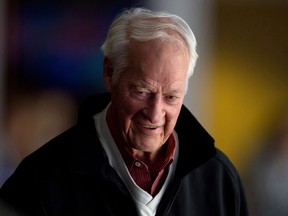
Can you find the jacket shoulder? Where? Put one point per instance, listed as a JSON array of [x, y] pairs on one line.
[[226, 163]]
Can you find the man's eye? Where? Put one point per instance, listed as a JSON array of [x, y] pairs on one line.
[[171, 97], [141, 93]]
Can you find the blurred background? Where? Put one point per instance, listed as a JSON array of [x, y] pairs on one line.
[[50, 61]]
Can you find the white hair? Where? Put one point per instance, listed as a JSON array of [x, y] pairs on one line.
[[144, 25]]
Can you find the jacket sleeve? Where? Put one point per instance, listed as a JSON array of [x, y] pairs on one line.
[[17, 195], [241, 208]]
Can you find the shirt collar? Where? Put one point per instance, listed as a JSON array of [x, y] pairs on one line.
[[168, 157]]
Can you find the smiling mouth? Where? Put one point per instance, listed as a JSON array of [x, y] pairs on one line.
[[150, 129], [150, 126]]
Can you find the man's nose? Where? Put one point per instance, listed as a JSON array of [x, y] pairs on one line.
[[155, 109]]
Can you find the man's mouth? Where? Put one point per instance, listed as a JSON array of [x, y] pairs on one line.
[[150, 126]]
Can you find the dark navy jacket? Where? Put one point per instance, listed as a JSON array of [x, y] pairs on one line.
[[70, 175]]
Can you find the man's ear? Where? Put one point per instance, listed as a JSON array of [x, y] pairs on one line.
[[107, 73]]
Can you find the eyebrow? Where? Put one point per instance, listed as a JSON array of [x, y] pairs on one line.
[[153, 90], [144, 86]]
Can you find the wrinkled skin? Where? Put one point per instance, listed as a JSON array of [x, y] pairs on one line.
[[147, 98]]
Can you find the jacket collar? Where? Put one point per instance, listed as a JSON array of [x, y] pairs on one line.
[[196, 146]]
